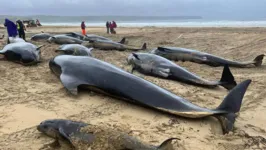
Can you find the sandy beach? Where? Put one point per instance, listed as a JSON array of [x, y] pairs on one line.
[[29, 95]]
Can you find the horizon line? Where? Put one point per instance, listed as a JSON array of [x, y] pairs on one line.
[[104, 15]]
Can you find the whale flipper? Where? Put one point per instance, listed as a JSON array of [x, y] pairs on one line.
[[162, 72], [70, 83]]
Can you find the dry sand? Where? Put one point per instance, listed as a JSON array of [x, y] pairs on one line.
[[29, 95]]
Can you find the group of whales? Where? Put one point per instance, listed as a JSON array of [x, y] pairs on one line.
[[77, 68], [89, 40]]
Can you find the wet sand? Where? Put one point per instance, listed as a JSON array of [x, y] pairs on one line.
[[29, 95]]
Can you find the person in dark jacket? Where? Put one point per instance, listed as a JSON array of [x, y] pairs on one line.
[[11, 29], [107, 26], [83, 28], [21, 28]]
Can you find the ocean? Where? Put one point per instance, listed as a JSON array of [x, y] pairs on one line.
[[137, 21]]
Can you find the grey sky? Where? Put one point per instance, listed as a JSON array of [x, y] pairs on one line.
[[242, 9]]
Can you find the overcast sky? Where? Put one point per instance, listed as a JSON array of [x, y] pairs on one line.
[[225, 9]]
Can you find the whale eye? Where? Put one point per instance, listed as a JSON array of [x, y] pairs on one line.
[[204, 58]]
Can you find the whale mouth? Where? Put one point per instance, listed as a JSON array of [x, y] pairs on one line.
[[130, 59], [49, 129], [55, 68]]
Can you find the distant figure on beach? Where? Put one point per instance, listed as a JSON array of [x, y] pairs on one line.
[[83, 28], [38, 22], [21, 29], [107, 26], [112, 27], [11, 29]]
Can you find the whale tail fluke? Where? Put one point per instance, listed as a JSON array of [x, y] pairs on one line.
[[227, 79], [231, 105], [258, 60], [167, 144]]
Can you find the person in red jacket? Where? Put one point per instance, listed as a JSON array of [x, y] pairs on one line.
[[83, 28], [112, 27], [114, 23]]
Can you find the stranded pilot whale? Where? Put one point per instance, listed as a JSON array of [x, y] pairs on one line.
[[184, 54], [74, 49], [110, 45], [41, 37], [96, 75], [22, 52], [92, 37], [80, 135], [64, 39], [155, 65]]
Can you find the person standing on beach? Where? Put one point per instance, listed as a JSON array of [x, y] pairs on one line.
[[83, 28], [38, 22], [21, 29], [107, 26], [11, 29], [112, 26]]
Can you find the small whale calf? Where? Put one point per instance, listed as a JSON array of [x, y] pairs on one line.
[[91, 37], [74, 49], [41, 37], [64, 39], [110, 45], [84, 136]]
